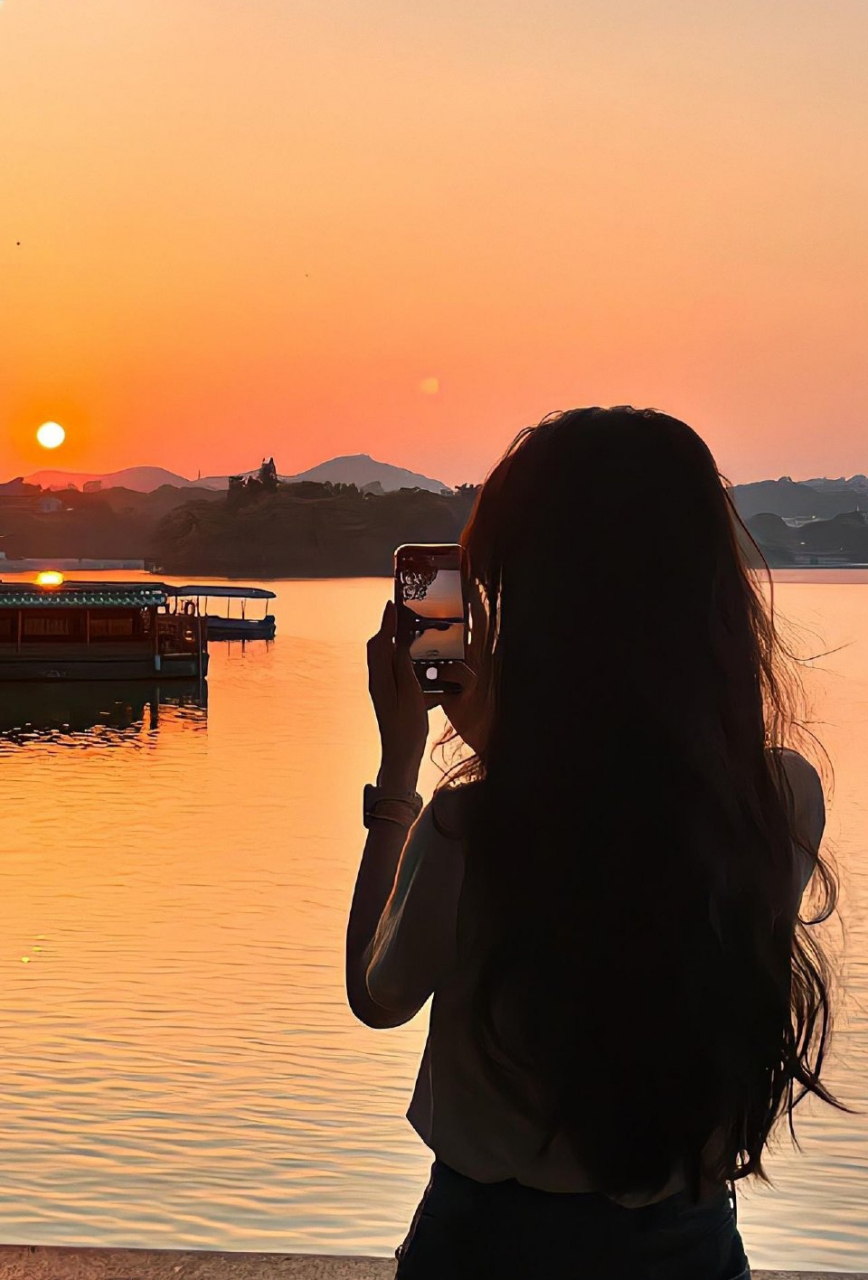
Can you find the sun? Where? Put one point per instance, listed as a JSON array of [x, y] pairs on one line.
[[50, 435]]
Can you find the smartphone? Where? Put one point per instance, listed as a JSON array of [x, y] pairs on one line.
[[432, 611]]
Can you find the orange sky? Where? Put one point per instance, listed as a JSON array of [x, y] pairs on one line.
[[253, 226]]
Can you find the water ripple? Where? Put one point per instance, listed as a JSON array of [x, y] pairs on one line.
[[179, 1064]]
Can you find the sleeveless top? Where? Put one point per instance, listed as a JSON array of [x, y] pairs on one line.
[[455, 1110]]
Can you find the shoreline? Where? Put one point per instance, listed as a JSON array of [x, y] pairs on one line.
[[37, 1262]]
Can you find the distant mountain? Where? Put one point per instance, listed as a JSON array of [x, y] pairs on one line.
[[360, 469], [140, 479], [818, 500], [840, 541], [857, 482], [357, 468]]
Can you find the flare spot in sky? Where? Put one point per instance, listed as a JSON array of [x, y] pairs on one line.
[[429, 386], [50, 435]]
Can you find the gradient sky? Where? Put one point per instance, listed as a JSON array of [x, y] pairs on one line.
[[409, 227]]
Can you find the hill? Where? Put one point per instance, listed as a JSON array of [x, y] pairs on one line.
[[113, 523], [840, 541], [858, 482], [359, 469], [792, 499], [305, 531], [309, 529], [139, 479]]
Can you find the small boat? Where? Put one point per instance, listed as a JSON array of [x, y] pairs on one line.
[[56, 630], [225, 626]]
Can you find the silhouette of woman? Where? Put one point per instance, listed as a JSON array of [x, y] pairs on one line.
[[604, 897]]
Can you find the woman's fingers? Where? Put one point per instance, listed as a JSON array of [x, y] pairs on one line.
[[398, 701], [460, 674], [405, 676], [380, 651]]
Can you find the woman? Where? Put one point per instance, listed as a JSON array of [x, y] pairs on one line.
[[604, 899]]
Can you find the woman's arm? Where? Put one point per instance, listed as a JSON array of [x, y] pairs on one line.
[[402, 718], [416, 944], [374, 884], [393, 968]]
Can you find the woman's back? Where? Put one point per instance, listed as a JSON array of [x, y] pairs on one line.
[[477, 1128]]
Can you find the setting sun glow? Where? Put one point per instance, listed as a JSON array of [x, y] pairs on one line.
[[50, 435], [441, 197], [49, 578]]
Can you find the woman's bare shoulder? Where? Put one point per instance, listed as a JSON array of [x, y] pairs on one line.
[[802, 777], [806, 795], [449, 810]]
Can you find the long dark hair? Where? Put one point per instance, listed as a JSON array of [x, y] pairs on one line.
[[643, 983]]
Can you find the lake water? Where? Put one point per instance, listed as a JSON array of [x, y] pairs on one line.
[[179, 1067]]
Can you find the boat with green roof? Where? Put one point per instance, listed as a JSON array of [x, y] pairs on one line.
[[51, 629]]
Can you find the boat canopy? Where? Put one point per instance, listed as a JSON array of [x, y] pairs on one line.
[[82, 595], [224, 593]]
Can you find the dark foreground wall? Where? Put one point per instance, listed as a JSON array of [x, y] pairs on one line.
[[19, 1262]]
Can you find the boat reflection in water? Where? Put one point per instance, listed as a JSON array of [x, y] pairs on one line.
[[78, 713]]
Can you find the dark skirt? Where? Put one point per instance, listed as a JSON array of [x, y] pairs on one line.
[[467, 1230]]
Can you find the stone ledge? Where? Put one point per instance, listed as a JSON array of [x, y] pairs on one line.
[[35, 1262]]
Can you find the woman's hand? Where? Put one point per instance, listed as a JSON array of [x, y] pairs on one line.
[[400, 706], [467, 711]]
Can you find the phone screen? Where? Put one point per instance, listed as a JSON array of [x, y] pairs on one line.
[[432, 618]]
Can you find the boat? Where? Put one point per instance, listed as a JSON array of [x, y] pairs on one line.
[[56, 630], [225, 626]]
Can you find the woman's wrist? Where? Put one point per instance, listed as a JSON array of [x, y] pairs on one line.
[[400, 778]]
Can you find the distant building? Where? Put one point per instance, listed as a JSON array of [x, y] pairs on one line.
[[268, 474], [91, 486], [18, 490], [49, 504], [19, 499]]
